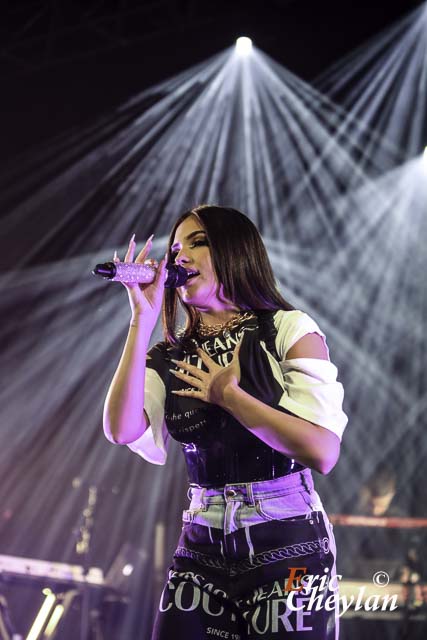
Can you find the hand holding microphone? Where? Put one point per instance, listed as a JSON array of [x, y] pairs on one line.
[[144, 280], [136, 273]]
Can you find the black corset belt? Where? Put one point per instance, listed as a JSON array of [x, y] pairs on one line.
[[218, 465]]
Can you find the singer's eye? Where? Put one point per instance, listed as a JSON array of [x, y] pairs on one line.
[[203, 242]]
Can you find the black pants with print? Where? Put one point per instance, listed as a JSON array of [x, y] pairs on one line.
[[268, 579]]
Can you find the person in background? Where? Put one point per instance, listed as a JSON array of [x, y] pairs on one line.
[[378, 496], [367, 549]]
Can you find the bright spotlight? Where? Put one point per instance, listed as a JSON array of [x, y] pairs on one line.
[[243, 46], [127, 570]]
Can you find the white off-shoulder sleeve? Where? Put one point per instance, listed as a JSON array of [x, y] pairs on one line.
[[310, 387], [153, 444], [312, 392]]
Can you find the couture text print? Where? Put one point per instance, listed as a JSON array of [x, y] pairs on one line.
[[188, 592]]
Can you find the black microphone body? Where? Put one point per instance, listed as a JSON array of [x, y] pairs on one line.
[[139, 273]]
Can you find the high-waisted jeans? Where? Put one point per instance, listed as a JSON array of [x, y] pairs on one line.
[[254, 560]]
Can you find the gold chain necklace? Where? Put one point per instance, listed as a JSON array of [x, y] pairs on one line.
[[206, 330]]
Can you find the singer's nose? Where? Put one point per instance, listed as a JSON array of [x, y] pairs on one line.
[[181, 258]]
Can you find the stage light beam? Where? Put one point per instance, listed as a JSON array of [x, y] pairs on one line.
[[243, 46]]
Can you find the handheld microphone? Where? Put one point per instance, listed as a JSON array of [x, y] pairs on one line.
[[139, 273]]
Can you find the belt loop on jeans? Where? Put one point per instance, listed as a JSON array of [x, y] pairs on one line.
[[305, 483], [250, 494], [202, 495]]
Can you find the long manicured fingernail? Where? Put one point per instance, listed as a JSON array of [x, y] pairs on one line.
[[133, 238], [115, 255], [150, 238]]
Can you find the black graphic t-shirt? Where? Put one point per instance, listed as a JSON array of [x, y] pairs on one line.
[[217, 447]]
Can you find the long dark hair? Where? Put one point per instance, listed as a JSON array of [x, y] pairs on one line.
[[241, 265]]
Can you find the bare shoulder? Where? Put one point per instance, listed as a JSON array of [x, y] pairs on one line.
[[311, 345]]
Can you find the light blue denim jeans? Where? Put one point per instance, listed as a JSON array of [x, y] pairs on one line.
[[240, 505]]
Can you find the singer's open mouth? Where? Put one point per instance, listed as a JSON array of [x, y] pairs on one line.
[[192, 274]]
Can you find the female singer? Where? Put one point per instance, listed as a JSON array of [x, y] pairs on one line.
[[247, 388]]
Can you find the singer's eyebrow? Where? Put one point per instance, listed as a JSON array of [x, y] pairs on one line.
[[189, 237]]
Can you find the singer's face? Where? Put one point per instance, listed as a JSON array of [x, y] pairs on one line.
[[190, 249]]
